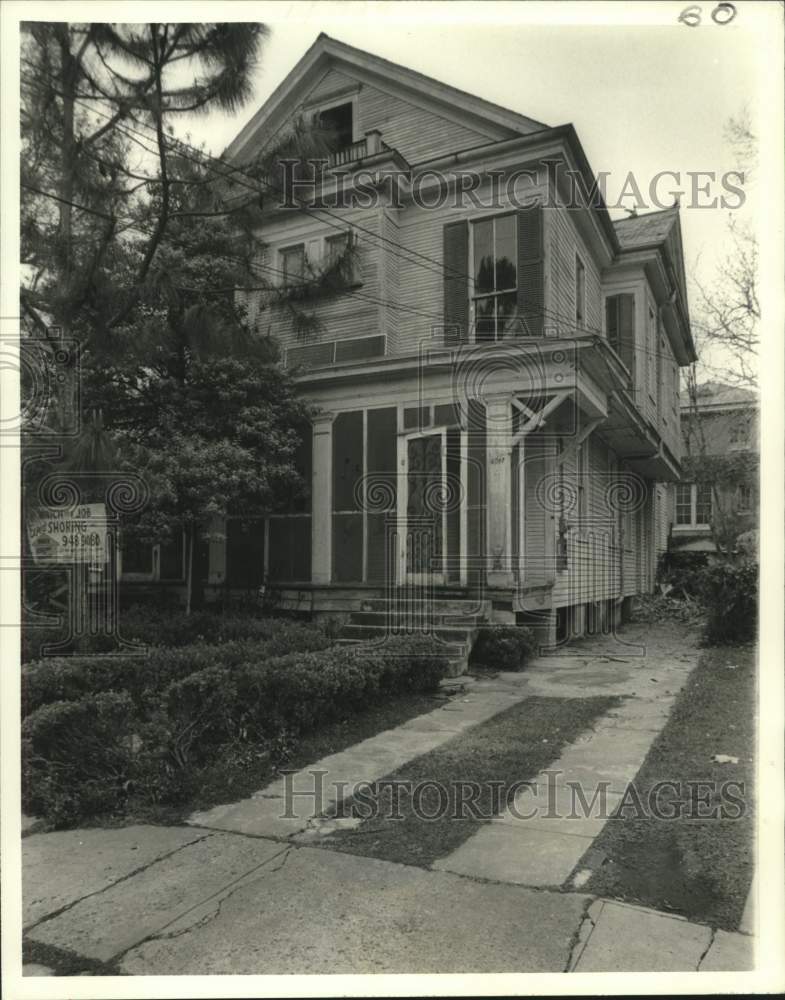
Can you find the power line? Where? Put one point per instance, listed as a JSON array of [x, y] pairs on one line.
[[438, 268]]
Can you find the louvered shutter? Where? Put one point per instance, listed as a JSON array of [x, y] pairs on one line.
[[531, 270], [620, 326], [456, 282]]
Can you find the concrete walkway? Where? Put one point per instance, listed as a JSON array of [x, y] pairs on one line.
[[242, 890], [315, 791], [540, 839]]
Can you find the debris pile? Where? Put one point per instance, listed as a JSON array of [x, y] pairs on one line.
[[659, 608]]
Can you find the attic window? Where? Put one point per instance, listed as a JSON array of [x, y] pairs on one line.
[[338, 120]]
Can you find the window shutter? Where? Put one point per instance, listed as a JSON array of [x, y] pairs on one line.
[[627, 332], [531, 270], [456, 282], [620, 326]]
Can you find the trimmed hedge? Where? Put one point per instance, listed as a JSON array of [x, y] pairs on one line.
[[153, 724], [172, 628], [73, 677], [503, 647]]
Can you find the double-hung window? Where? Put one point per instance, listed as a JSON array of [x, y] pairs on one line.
[[693, 505], [293, 265], [494, 276]]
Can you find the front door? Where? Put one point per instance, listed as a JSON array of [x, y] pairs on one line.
[[426, 474]]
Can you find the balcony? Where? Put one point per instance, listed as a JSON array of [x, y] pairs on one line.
[[371, 145]]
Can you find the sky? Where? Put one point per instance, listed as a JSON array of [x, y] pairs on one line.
[[644, 97]]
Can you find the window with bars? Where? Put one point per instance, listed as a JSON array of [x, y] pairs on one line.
[[495, 276]]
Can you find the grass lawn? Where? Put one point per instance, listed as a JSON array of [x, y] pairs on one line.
[[511, 747], [700, 868]]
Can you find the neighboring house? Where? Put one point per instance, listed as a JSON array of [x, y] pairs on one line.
[[497, 376], [718, 497]]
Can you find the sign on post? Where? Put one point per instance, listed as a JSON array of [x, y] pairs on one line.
[[68, 535]]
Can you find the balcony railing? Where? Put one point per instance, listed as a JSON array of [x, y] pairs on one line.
[[369, 146]]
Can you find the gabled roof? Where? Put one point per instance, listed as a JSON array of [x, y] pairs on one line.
[[649, 230], [327, 53]]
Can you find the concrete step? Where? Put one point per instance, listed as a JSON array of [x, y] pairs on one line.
[[457, 654], [412, 620], [365, 632], [427, 608]]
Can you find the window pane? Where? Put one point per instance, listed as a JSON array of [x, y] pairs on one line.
[[336, 247], [506, 306], [505, 253], [484, 318], [703, 504], [684, 503], [483, 256], [293, 264]]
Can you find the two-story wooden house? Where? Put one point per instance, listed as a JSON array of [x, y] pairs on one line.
[[496, 384]]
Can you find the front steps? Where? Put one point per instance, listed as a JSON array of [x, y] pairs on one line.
[[452, 621]]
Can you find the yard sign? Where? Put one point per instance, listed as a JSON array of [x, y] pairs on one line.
[[68, 535]]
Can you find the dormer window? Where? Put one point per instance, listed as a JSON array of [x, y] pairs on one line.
[[339, 121]]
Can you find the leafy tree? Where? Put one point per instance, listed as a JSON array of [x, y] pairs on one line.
[[134, 245]]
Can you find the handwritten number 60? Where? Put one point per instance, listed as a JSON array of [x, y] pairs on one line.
[[723, 13]]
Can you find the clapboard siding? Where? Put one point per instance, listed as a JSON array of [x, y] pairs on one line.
[[390, 263], [592, 572], [355, 313], [331, 83], [416, 133], [563, 243], [421, 273]]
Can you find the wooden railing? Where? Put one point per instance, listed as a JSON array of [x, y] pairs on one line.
[[369, 146]]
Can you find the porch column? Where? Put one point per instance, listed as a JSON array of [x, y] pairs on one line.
[[321, 499], [498, 415]]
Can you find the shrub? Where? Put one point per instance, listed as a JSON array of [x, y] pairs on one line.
[[76, 757], [167, 627], [503, 647], [70, 678], [683, 571], [154, 723], [730, 593]]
